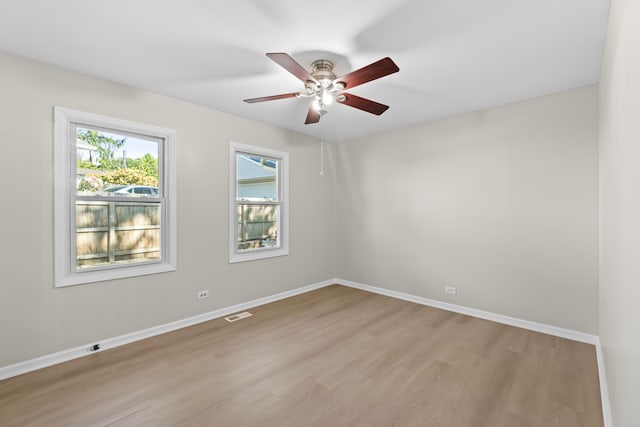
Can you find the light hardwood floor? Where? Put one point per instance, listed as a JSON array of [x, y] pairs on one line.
[[332, 357]]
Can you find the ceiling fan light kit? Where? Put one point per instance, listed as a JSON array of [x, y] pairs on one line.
[[324, 87]]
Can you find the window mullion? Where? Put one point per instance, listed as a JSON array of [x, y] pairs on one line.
[[112, 233], [257, 203]]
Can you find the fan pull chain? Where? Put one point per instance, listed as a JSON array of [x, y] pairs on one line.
[[321, 158]]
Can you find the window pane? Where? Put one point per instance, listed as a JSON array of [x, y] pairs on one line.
[[111, 164], [258, 213], [116, 232], [256, 178], [257, 226]]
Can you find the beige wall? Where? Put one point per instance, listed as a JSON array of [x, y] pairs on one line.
[[36, 319], [501, 204], [620, 211]]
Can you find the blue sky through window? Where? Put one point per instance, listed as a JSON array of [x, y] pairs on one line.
[[134, 147]]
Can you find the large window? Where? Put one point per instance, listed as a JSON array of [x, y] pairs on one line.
[[258, 217], [114, 198]]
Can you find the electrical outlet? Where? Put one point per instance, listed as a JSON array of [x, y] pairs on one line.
[[450, 290], [203, 294]]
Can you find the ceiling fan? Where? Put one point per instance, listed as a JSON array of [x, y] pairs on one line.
[[324, 87]]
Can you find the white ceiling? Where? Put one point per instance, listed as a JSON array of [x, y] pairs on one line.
[[454, 56]]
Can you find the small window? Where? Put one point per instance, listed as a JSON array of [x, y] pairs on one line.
[[258, 206], [114, 198]]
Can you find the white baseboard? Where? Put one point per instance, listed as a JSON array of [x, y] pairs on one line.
[[74, 353], [512, 321], [604, 387], [105, 344], [507, 320]]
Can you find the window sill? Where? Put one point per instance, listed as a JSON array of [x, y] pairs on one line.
[[85, 277], [251, 256]]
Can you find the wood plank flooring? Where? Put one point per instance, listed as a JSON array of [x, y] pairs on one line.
[[333, 357]]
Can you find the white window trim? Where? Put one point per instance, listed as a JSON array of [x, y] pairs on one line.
[[64, 237], [283, 182]]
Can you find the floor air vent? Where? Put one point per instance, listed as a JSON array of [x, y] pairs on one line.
[[238, 316]]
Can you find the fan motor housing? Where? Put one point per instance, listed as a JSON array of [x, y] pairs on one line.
[[322, 69]]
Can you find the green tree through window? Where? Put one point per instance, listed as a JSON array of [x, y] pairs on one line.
[[106, 147]]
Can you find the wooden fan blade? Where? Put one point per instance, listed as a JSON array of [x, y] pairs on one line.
[[271, 98], [363, 104], [373, 71], [312, 116], [290, 64]]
